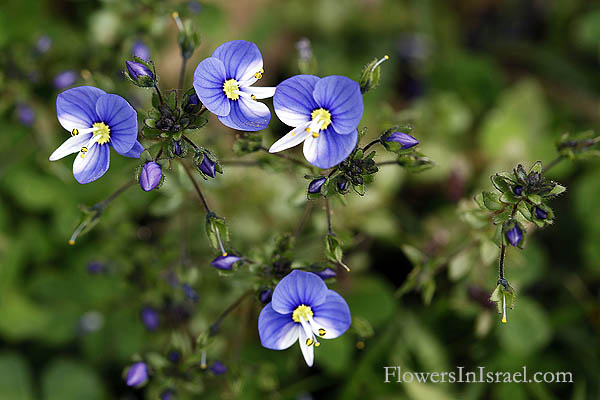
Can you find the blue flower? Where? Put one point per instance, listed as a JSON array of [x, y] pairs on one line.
[[303, 309], [137, 374], [65, 79], [97, 121], [25, 114], [315, 185], [140, 73], [324, 112], [150, 318], [540, 214], [225, 261], [139, 49], [224, 81], [218, 368]]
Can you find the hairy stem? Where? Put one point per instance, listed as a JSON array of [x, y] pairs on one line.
[[214, 328], [328, 208], [160, 97], [189, 174], [285, 156], [182, 74], [552, 163], [116, 194], [303, 219], [374, 142]]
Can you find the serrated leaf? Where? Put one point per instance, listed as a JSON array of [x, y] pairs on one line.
[[490, 200]]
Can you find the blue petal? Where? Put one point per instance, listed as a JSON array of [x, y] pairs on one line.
[[76, 108], [329, 148], [209, 78], [298, 288], [136, 150], [93, 164], [242, 59], [276, 331], [121, 118], [333, 315], [342, 98], [293, 100], [247, 115]]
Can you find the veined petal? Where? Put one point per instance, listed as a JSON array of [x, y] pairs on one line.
[[136, 150], [242, 59], [276, 331], [247, 115], [297, 288], [209, 78], [342, 98], [293, 138], [333, 315], [70, 146], [307, 351], [259, 92], [92, 164], [121, 119], [329, 148], [76, 107], [293, 99]]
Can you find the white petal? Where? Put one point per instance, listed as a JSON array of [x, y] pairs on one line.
[[259, 92], [307, 351], [71, 145], [293, 138]]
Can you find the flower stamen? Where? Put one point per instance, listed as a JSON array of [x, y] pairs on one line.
[[75, 132], [302, 312], [102, 132], [259, 73], [231, 89]]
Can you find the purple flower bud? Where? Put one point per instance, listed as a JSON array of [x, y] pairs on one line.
[[518, 190], [137, 70], [150, 176], [193, 100], [174, 356], [225, 261], [139, 49], [404, 139], [190, 293], [514, 236], [207, 166], [218, 368], [137, 374], [43, 44], [315, 185], [265, 296], [150, 318], [25, 114], [65, 79], [540, 214], [176, 148], [342, 184], [167, 394], [327, 273]]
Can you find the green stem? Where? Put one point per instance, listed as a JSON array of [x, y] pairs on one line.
[[189, 174], [214, 328]]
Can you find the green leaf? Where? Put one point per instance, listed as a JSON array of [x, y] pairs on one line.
[[535, 199], [556, 190], [490, 200], [15, 378]]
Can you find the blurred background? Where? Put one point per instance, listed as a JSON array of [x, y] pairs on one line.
[[487, 84]]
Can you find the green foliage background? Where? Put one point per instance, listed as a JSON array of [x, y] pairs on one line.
[[487, 84]]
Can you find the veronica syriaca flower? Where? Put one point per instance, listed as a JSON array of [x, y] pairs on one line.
[[315, 185], [303, 309], [225, 261], [150, 318], [65, 79], [97, 121], [224, 82], [137, 374], [324, 112]]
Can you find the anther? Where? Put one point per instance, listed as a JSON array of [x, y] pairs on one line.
[[75, 132], [253, 97], [315, 135], [317, 344], [322, 332], [309, 342]]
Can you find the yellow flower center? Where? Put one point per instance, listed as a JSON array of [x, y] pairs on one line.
[[302, 312], [321, 114], [231, 88], [103, 131]]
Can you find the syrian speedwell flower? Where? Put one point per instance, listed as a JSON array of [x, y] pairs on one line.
[[324, 112], [303, 309], [224, 82], [97, 121]]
